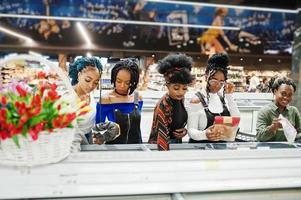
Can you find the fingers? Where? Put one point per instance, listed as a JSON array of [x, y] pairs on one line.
[[229, 88], [180, 134], [216, 135]]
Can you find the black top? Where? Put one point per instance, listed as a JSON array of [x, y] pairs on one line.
[[179, 116], [129, 125], [210, 116]]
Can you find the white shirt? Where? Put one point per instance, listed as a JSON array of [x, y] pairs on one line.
[[85, 125], [254, 81], [197, 119]]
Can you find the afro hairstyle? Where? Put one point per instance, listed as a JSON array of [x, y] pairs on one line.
[[176, 68]]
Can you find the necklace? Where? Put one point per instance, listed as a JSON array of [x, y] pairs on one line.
[[120, 93]]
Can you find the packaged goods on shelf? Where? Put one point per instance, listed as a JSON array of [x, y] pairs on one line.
[[236, 76]]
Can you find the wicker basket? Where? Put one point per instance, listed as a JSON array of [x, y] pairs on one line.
[[48, 148]]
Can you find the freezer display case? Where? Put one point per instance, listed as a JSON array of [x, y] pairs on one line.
[[188, 171]]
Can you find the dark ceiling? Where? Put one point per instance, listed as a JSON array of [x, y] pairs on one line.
[[281, 4]]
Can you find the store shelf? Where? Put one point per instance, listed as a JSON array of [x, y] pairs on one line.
[[236, 76]]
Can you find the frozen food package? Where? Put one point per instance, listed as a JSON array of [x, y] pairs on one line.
[[228, 126], [289, 130]]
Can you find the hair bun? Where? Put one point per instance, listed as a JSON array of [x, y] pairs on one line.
[[219, 60]]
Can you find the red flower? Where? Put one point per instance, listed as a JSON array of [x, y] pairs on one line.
[[3, 134], [52, 95], [21, 91], [32, 111], [41, 75], [4, 100], [3, 115]]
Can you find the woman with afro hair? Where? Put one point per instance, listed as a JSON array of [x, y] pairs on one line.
[[170, 115], [123, 105], [215, 100]]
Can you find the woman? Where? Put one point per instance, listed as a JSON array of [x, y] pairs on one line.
[[123, 105], [215, 100], [268, 125], [168, 125], [85, 74], [209, 40]]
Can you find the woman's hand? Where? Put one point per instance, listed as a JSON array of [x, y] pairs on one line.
[[229, 88], [274, 126], [180, 133], [215, 134], [233, 47]]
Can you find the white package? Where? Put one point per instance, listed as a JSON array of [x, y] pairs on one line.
[[289, 130]]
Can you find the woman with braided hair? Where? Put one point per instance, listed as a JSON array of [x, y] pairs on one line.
[[215, 100], [123, 105], [170, 115]]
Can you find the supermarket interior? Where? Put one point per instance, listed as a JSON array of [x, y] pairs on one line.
[[64, 66]]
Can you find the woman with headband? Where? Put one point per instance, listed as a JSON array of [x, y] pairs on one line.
[[168, 125], [123, 105], [215, 100]]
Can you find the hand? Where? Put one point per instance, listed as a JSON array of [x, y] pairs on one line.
[[229, 88], [233, 47], [97, 140], [214, 134], [274, 126], [180, 133]]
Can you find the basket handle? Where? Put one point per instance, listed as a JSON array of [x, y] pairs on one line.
[[58, 70]]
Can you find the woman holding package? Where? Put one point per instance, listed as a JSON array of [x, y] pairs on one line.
[[85, 74], [123, 105], [269, 127], [215, 100], [170, 115]]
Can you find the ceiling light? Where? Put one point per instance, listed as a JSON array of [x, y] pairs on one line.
[[225, 6], [89, 54], [84, 34], [118, 21], [12, 33], [34, 53]]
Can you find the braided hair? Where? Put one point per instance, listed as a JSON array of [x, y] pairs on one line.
[[132, 68], [80, 64], [283, 80], [217, 62], [176, 68]]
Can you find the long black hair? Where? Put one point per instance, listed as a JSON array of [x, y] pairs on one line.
[[217, 62], [176, 68], [80, 64], [131, 67]]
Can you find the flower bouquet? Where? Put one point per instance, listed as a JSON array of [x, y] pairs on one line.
[[37, 119]]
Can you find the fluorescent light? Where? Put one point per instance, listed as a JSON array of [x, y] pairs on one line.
[[35, 53], [12, 33], [84, 34], [81, 19], [89, 54], [225, 6]]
